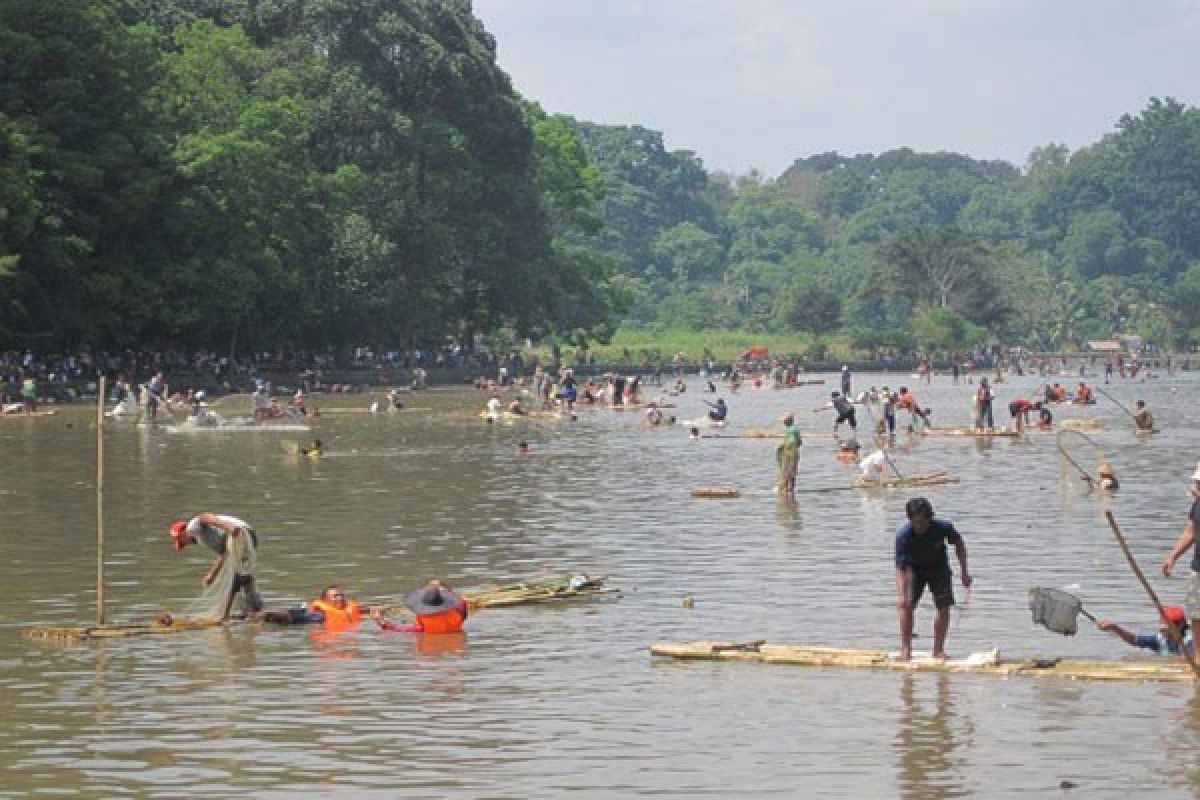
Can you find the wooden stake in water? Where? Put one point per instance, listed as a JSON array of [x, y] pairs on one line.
[[100, 502]]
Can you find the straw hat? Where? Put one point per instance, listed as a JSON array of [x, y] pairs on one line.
[[1105, 469], [431, 599]]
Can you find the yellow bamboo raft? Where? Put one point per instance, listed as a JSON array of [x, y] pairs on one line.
[[569, 587], [716, 492], [988, 663], [969, 432], [1081, 424], [28, 414], [900, 482], [119, 631]]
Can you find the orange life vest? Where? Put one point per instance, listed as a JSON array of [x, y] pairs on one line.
[[338, 619], [450, 621]]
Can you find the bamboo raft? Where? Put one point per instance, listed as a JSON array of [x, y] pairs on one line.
[[904, 481], [987, 663], [1084, 424], [569, 587], [716, 492], [27, 414], [969, 432], [320, 412], [119, 631]]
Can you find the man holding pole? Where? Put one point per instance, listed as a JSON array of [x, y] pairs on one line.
[[1188, 539]]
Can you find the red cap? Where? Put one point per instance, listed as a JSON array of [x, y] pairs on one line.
[[179, 534], [1174, 614]]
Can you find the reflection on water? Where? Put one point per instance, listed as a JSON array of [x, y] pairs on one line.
[[545, 701], [929, 734]]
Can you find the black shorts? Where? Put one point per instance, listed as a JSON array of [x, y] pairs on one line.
[[940, 581], [847, 416]]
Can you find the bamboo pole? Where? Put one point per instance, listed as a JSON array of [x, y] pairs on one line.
[[1162, 614], [100, 502]]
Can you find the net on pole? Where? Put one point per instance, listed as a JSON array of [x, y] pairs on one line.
[[1055, 609]]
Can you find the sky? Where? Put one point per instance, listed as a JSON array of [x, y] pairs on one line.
[[759, 83]]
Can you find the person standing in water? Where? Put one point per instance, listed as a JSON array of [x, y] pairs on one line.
[[922, 560], [787, 456], [1143, 420], [846, 381]]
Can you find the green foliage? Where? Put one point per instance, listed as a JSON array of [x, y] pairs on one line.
[[943, 329], [247, 173], [806, 305]]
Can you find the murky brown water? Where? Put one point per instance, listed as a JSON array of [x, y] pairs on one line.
[[541, 701]]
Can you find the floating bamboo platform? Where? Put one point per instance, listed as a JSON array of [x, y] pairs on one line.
[[569, 587], [988, 663], [716, 492], [320, 412], [119, 631], [1081, 424], [28, 414], [971, 432], [900, 482]]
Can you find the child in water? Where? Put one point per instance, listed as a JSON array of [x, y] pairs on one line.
[[312, 452]]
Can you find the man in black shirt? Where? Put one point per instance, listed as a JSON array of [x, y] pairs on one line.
[[921, 560]]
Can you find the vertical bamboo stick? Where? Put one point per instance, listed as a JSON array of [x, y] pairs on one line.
[[100, 502]]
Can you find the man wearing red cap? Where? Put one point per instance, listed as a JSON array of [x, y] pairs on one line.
[[236, 545], [1160, 642]]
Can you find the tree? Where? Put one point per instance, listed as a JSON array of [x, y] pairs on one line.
[[941, 267], [687, 251], [805, 305]]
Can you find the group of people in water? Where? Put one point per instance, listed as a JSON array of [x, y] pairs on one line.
[[437, 608]]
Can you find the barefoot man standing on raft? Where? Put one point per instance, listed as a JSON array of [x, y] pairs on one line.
[[236, 545], [921, 560]]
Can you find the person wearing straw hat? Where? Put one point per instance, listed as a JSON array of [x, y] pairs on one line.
[[437, 607], [1187, 539], [1107, 476], [236, 544], [921, 560]]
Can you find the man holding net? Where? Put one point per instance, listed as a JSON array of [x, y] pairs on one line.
[[236, 545], [922, 560]]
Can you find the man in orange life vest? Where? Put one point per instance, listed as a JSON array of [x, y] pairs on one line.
[[438, 610], [333, 610]]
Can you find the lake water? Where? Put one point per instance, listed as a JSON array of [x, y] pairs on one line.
[[545, 701]]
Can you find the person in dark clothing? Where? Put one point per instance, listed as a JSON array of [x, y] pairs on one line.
[[719, 411], [845, 411], [922, 560]]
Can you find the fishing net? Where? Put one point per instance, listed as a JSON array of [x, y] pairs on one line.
[[1056, 610], [1082, 453], [241, 558]]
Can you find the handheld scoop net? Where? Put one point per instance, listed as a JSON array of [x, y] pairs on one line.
[[1057, 610]]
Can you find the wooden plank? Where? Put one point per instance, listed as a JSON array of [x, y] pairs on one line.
[[982, 664]]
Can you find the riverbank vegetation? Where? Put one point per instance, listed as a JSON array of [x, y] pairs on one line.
[[243, 175]]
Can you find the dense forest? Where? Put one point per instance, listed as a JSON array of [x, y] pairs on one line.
[[242, 174]]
